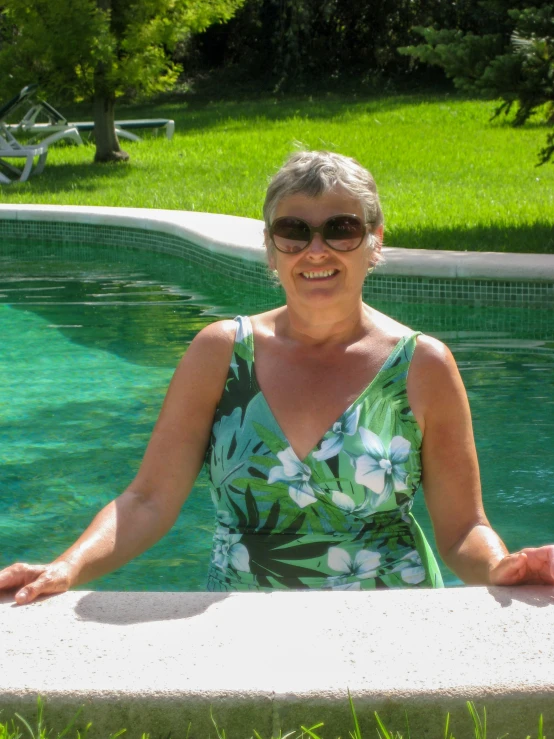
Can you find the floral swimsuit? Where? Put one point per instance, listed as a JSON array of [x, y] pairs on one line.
[[338, 520]]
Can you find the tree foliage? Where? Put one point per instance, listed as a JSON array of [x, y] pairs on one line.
[[79, 49], [515, 63], [59, 43]]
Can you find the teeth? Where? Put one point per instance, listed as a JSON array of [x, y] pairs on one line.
[[315, 275]]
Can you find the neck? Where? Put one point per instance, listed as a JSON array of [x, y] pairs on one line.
[[325, 327]]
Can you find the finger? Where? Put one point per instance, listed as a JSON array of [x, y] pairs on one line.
[[541, 563], [9, 578], [26, 595], [511, 570], [30, 592], [18, 574], [46, 584]]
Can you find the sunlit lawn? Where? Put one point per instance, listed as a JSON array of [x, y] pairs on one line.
[[448, 177]]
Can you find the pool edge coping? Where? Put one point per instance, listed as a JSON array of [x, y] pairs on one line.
[[242, 238], [154, 658]]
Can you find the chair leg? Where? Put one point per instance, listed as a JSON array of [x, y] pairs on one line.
[[41, 162], [26, 171], [123, 134]]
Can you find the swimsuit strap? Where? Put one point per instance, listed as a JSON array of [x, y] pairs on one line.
[[395, 370], [407, 347], [402, 353], [244, 334]]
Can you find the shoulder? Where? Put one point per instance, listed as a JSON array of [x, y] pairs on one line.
[[435, 387], [216, 339], [206, 361], [433, 365], [432, 355]]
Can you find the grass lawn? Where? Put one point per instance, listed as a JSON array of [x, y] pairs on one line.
[[448, 177], [11, 729]]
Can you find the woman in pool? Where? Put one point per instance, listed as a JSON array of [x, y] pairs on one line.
[[317, 421]]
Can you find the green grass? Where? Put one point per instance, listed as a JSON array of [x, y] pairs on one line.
[[20, 728], [448, 177]]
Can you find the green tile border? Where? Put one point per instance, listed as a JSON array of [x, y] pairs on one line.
[[391, 288]]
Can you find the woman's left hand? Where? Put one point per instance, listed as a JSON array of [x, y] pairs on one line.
[[531, 566]]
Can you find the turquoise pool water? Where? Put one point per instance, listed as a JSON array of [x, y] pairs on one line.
[[89, 341]]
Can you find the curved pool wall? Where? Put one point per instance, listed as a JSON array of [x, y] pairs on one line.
[[234, 246], [153, 662]]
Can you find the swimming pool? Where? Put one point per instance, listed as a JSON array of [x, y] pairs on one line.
[[90, 340]]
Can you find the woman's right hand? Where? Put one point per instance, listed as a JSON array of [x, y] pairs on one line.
[[30, 581]]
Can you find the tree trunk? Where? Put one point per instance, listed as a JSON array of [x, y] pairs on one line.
[[107, 143]]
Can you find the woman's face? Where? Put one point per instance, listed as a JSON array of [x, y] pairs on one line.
[[318, 274]]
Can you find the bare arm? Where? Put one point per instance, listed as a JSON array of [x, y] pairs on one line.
[[466, 542], [150, 505]]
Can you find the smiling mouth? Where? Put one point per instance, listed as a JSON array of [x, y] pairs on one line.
[[322, 274]]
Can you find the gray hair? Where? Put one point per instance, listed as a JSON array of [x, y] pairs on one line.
[[315, 173]]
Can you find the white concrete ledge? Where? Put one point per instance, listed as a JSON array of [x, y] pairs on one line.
[[155, 661], [468, 265], [243, 238]]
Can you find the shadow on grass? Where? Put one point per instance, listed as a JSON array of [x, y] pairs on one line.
[[537, 238], [85, 176], [193, 113]]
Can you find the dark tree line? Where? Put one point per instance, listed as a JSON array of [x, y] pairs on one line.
[[495, 48], [291, 43]]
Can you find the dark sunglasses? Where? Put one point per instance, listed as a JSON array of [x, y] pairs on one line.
[[344, 232]]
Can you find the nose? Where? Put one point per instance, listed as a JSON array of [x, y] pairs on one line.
[[317, 247]]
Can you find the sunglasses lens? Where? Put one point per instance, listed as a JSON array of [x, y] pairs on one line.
[[290, 234], [344, 233]]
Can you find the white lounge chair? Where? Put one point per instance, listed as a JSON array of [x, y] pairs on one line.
[[7, 130], [11, 148], [9, 172], [56, 123]]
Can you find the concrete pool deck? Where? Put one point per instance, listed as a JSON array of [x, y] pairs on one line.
[[154, 662], [243, 238]]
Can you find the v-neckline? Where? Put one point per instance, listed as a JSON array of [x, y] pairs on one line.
[[352, 405]]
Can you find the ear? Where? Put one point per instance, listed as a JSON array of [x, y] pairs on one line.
[[377, 246]]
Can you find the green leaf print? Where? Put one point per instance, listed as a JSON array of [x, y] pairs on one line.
[[244, 351], [263, 461], [262, 487], [252, 510], [248, 520], [238, 388], [273, 442], [237, 449]]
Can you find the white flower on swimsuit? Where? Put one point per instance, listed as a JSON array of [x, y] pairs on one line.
[[297, 474], [382, 470], [347, 425]]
